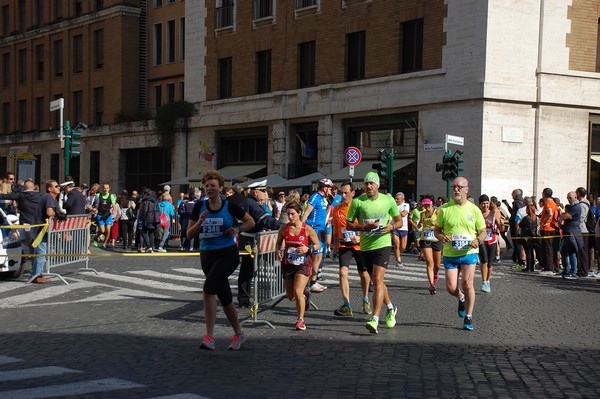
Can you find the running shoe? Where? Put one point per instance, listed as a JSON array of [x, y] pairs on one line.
[[468, 324], [149, 250], [367, 307], [372, 326], [300, 325], [390, 317], [435, 278], [208, 343], [237, 341], [306, 300], [160, 249], [432, 289], [462, 311], [317, 288], [485, 287], [399, 265], [343, 311]]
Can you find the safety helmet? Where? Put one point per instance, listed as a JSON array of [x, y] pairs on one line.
[[325, 183]]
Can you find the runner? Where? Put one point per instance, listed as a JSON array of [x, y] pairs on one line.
[[300, 242], [461, 227], [346, 245], [493, 224], [429, 244], [370, 214], [400, 236]]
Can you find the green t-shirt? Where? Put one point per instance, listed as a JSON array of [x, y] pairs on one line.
[[415, 215], [461, 223], [368, 210]]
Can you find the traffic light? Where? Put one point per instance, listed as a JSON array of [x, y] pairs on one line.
[[74, 143], [382, 167], [448, 172], [457, 167]]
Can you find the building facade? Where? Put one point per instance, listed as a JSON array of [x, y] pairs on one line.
[[285, 86]]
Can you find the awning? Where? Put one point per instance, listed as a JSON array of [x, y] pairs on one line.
[[234, 172], [304, 180], [595, 158], [184, 180], [272, 181], [364, 167]]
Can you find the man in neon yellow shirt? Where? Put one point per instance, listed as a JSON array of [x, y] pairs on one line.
[[461, 227], [370, 214]]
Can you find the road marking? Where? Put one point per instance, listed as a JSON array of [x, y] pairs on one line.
[[189, 270], [148, 283], [168, 276], [76, 388], [182, 396], [34, 372], [11, 285], [9, 360], [43, 293]]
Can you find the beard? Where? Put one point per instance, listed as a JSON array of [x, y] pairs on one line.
[[457, 196]]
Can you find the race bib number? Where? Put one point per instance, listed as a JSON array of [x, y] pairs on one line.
[[348, 234], [376, 231], [212, 227], [295, 258], [428, 234], [461, 241], [488, 233]]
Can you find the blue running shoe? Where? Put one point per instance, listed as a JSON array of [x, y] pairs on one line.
[[468, 324], [462, 312]]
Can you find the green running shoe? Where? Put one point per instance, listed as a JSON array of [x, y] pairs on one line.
[[390, 317], [372, 326]]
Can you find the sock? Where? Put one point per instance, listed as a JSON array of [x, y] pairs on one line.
[[390, 306], [376, 318], [469, 316], [462, 298], [347, 303], [366, 299]]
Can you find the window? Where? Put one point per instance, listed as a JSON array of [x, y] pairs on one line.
[[225, 77], [6, 70], [182, 39], [305, 3], [21, 15], [58, 58], [77, 107], [22, 116], [98, 105], [40, 108], [171, 92], [306, 64], [263, 71], [157, 97], [224, 13], [39, 62], [158, 44], [355, 56], [58, 10], [99, 5], [5, 118], [157, 3], [5, 19], [98, 48], [263, 9], [77, 53], [22, 65], [412, 46], [39, 12], [171, 41], [244, 146], [181, 91], [78, 8]]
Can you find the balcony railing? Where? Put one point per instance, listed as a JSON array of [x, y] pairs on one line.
[[263, 9], [305, 3]]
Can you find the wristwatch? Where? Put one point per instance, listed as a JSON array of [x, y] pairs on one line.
[[479, 241]]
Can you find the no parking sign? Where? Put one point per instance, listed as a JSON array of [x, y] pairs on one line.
[[352, 157]]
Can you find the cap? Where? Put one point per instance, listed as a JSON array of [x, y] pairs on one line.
[[67, 183], [258, 185], [484, 198], [167, 188], [372, 177], [427, 201], [325, 183], [413, 203], [281, 193]]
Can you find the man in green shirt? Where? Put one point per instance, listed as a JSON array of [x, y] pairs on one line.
[[370, 214], [460, 226]]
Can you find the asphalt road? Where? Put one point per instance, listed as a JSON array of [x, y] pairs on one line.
[[133, 332]]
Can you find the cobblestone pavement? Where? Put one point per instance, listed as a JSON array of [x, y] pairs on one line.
[[133, 332]]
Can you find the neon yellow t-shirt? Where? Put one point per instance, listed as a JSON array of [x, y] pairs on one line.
[[366, 210], [461, 224]]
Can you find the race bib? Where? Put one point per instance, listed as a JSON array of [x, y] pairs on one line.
[[348, 234], [461, 241], [295, 258], [488, 233], [376, 231], [212, 227], [428, 234]]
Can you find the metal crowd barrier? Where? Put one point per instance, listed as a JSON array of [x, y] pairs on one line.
[[69, 239], [267, 281], [175, 230]]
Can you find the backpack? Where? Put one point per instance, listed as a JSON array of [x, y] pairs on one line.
[[590, 221], [164, 220]]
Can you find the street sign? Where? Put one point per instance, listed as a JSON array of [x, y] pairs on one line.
[[433, 147], [352, 156], [57, 104], [457, 140], [351, 171]]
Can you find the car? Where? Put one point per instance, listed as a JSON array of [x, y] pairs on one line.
[[10, 244]]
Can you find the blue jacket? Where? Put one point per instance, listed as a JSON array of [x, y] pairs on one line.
[[167, 208]]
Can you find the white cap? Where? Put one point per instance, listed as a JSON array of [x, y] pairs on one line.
[[259, 185], [167, 188]]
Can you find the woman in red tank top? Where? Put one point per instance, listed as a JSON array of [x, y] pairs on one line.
[[300, 241]]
